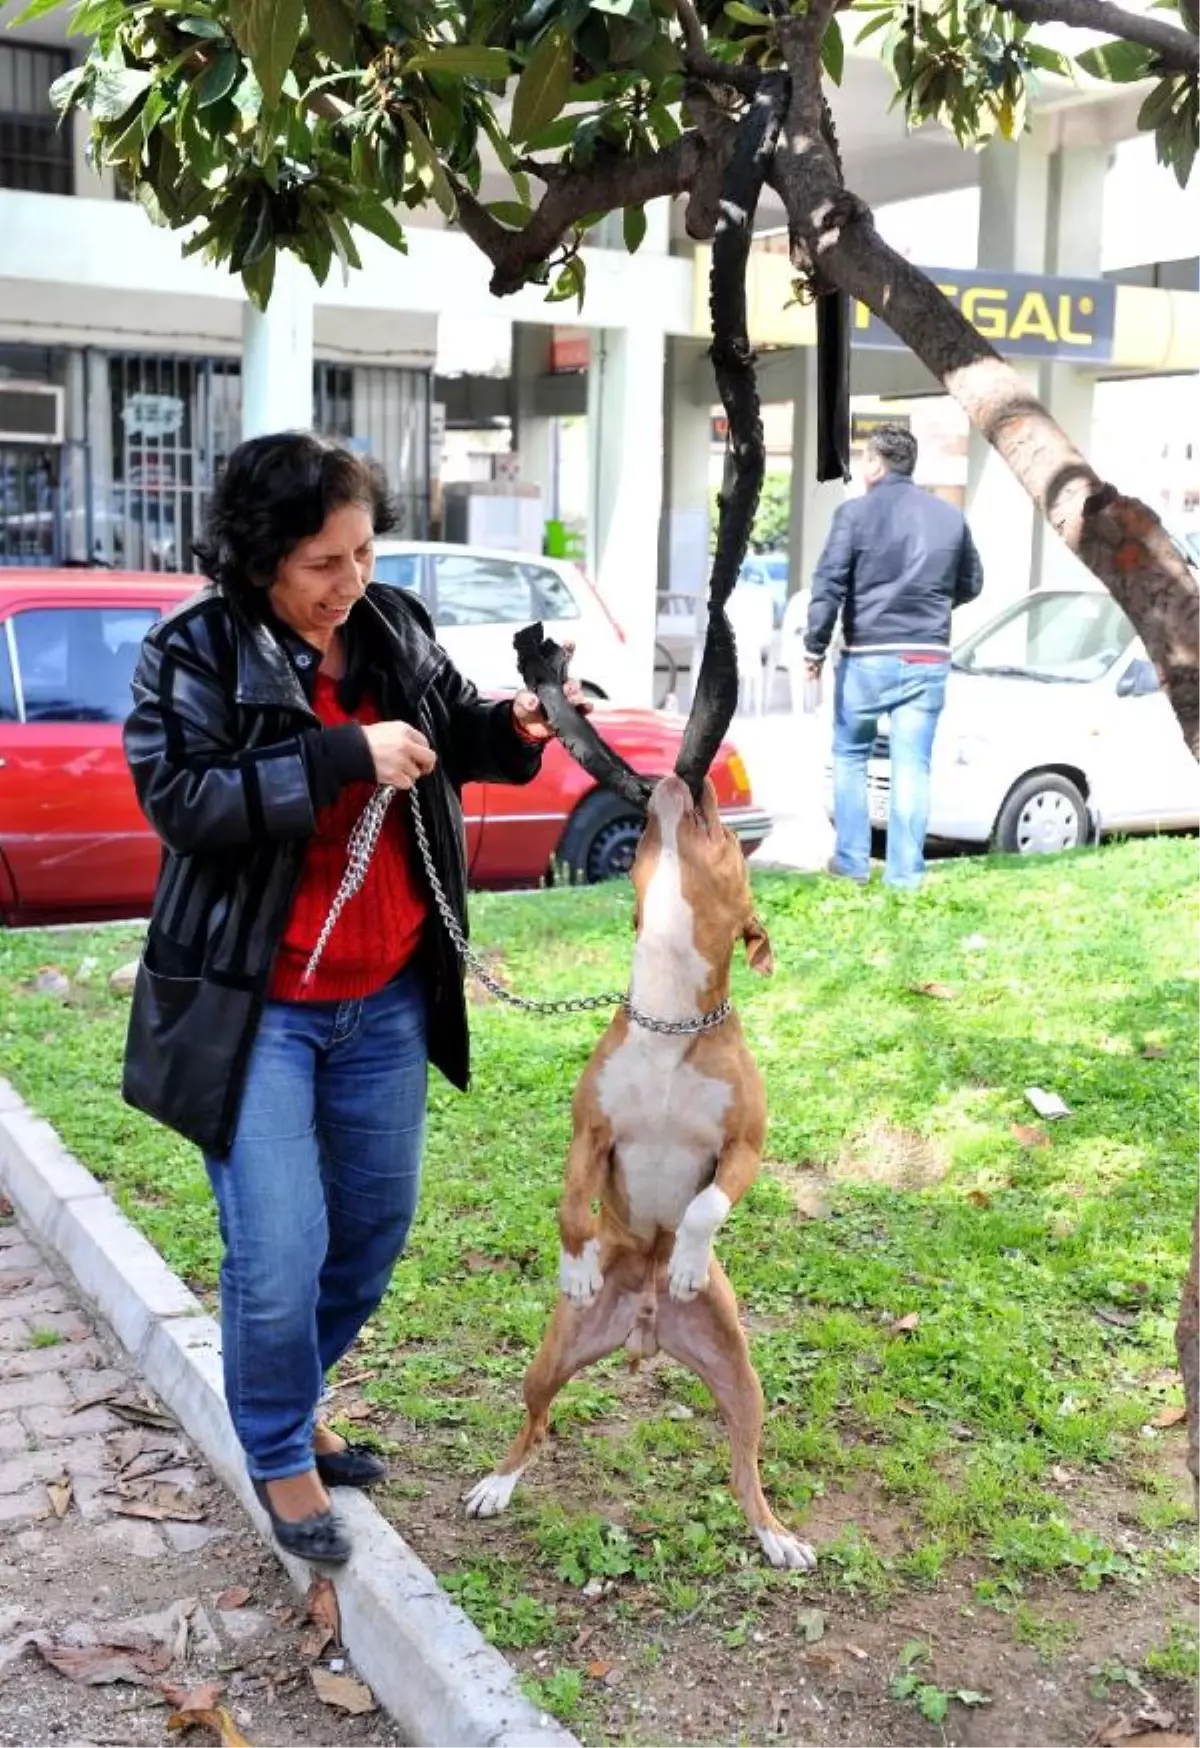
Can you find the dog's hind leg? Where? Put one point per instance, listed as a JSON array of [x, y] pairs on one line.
[[704, 1334], [575, 1339]]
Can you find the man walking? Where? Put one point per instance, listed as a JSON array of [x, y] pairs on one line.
[[896, 563]]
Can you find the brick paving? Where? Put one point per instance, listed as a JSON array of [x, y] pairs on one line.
[[70, 1402]]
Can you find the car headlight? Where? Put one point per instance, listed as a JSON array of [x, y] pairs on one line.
[[970, 748]]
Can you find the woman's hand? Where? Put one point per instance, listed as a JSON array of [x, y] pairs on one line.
[[529, 716], [401, 753]]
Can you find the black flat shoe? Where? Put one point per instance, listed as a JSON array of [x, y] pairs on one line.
[[356, 1466], [322, 1538]]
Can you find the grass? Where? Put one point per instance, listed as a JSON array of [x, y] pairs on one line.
[[983, 1315]]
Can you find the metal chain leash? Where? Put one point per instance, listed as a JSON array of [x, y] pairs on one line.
[[363, 840]]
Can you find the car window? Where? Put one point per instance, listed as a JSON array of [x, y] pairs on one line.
[[8, 692], [481, 591], [75, 664], [550, 596], [1052, 636], [401, 569]]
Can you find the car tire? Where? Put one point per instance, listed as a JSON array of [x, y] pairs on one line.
[[1042, 814], [601, 839]]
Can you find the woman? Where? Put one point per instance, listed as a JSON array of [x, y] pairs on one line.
[[266, 710]]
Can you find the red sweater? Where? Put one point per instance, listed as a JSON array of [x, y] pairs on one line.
[[378, 931]]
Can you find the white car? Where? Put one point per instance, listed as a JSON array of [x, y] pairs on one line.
[[479, 598], [1055, 733]]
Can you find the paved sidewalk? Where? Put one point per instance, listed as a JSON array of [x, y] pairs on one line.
[[115, 1534]]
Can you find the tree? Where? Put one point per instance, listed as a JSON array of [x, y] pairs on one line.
[[267, 124]]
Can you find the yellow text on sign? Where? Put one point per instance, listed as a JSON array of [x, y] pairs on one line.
[[1001, 314]]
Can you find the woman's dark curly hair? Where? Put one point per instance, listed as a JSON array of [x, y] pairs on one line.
[[273, 493]]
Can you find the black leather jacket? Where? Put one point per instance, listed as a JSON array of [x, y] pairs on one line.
[[231, 766]]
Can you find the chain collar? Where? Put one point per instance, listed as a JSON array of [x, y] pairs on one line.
[[363, 840]]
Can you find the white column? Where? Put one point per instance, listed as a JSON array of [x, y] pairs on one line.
[[625, 460], [1013, 214], [1074, 221], [813, 505], [277, 354], [683, 561]]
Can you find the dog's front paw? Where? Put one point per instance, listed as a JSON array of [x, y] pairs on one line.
[[687, 1271], [785, 1550], [579, 1276], [489, 1497]]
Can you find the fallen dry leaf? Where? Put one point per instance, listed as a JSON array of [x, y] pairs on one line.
[[140, 1412], [857, 1651], [163, 1509], [599, 1669], [1154, 1052], [236, 1597], [936, 991], [1116, 1316], [1170, 1416], [315, 1641], [217, 1718], [60, 1495], [321, 1607], [96, 1665], [1029, 1135], [190, 1699], [811, 1623], [810, 1201], [979, 1198], [905, 1325], [346, 1692], [1122, 1727]]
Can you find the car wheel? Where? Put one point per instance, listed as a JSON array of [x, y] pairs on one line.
[[601, 839], [1043, 813]]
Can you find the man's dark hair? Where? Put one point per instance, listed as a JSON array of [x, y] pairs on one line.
[[275, 492], [895, 446]]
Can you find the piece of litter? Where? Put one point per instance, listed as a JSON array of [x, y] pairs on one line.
[[1046, 1104]]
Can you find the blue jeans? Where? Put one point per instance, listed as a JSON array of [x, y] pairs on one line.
[[912, 694], [315, 1202]]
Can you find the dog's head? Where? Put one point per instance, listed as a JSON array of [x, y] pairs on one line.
[[713, 879]]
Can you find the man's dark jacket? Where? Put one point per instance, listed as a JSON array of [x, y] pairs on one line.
[[231, 767], [897, 561]]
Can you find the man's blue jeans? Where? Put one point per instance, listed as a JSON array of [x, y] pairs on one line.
[[912, 693], [315, 1202]]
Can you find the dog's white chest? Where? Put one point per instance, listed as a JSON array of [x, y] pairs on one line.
[[668, 1123]]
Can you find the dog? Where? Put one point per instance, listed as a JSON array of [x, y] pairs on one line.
[[667, 1136]]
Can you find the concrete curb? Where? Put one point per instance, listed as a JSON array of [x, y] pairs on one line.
[[427, 1663]]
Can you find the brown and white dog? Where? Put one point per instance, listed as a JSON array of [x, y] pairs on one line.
[[668, 1135]]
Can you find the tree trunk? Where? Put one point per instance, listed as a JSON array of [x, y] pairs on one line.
[[1121, 541]]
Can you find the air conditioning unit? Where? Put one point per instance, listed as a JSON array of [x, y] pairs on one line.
[[31, 412]]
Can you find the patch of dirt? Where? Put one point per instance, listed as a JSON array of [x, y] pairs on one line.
[[886, 1154], [746, 1668]]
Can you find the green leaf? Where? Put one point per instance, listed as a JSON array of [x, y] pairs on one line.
[[968, 1696], [205, 27], [633, 224], [560, 133], [1120, 62], [742, 14], [267, 32], [510, 213], [116, 89], [933, 1703], [463, 60], [427, 158], [259, 278], [332, 24], [833, 51], [571, 282], [1158, 106], [1046, 60], [217, 79], [66, 88], [544, 85], [503, 150], [35, 9], [370, 212]]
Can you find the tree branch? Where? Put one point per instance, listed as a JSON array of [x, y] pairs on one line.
[[1177, 50], [701, 65], [609, 184]]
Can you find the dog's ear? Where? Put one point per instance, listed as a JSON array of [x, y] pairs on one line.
[[758, 947]]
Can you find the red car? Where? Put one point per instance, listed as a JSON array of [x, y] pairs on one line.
[[73, 842]]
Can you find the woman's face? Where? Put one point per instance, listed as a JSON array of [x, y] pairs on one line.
[[322, 577]]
